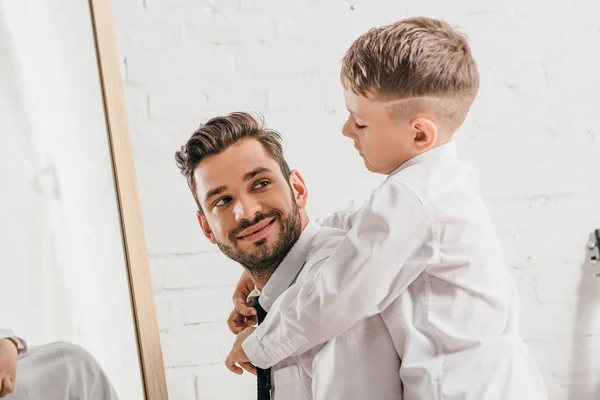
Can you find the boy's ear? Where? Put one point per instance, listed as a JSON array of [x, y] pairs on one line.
[[425, 133], [299, 189], [205, 227]]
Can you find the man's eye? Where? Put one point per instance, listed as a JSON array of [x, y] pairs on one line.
[[222, 202], [261, 184], [359, 126]]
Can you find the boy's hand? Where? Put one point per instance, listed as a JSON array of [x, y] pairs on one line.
[[237, 322], [238, 356], [8, 366], [243, 314]]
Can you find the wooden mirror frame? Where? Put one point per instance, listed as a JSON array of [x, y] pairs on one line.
[[134, 245]]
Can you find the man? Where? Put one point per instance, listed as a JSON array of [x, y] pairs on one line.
[[57, 371], [253, 208]]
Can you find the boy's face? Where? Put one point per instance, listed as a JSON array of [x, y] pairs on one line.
[[383, 143], [250, 210]]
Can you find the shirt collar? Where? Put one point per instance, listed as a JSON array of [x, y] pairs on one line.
[[287, 271], [443, 152]]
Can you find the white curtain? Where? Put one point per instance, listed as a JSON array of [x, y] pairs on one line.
[[62, 267], [33, 293]]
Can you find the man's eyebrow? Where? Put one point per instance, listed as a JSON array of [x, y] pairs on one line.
[[254, 172], [214, 192]]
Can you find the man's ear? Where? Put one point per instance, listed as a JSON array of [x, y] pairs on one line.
[[299, 189], [205, 227], [425, 133]]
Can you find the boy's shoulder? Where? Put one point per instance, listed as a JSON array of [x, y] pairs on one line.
[[429, 179]]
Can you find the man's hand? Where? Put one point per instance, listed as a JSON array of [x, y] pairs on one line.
[[238, 356], [243, 314], [8, 366]]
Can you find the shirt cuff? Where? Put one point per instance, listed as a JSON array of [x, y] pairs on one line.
[[263, 358], [20, 344], [255, 352]]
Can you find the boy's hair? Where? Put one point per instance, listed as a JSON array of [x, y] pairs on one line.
[[218, 134], [418, 59]]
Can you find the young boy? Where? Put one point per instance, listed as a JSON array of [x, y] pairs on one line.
[[422, 251]]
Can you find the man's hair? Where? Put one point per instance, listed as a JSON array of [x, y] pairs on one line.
[[218, 134], [411, 59]]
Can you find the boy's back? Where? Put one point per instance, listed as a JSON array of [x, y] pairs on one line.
[[456, 325]]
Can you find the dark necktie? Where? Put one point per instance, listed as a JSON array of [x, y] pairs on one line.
[[263, 375]]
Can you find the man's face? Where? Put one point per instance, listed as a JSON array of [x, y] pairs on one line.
[[249, 208]]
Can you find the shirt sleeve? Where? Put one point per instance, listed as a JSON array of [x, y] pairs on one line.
[[19, 343], [386, 249], [342, 219]]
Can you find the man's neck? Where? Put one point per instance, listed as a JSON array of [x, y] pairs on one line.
[[262, 277]]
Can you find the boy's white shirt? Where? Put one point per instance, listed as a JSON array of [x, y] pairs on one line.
[[329, 371], [424, 254]]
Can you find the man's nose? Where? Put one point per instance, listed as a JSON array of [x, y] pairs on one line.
[[246, 208]]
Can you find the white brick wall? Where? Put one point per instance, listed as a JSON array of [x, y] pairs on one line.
[[534, 133]]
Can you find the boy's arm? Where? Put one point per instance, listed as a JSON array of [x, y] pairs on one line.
[[379, 257], [243, 314], [342, 219]]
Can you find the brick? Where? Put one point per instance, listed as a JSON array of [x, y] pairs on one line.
[[136, 105], [144, 32], [200, 271], [549, 322], [230, 28], [177, 67], [566, 283], [576, 361], [176, 105], [208, 305], [200, 345], [581, 390], [530, 250], [288, 6], [170, 220], [177, 6], [347, 26], [218, 383], [531, 178], [168, 312], [278, 58], [225, 5], [296, 93], [558, 15], [285, 27], [181, 384], [126, 7], [539, 353], [240, 93], [156, 274], [588, 324]]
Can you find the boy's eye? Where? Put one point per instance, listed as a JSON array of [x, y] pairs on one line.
[[359, 126], [222, 201], [261, 184]]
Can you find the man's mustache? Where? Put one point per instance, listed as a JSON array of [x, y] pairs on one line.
[[245, 223]]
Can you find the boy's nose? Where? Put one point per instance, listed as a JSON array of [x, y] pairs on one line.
[[347, 128]]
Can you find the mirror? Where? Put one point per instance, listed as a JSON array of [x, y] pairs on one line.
[[74, 266]]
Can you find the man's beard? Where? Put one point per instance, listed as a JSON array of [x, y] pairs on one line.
[[265, 259]]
